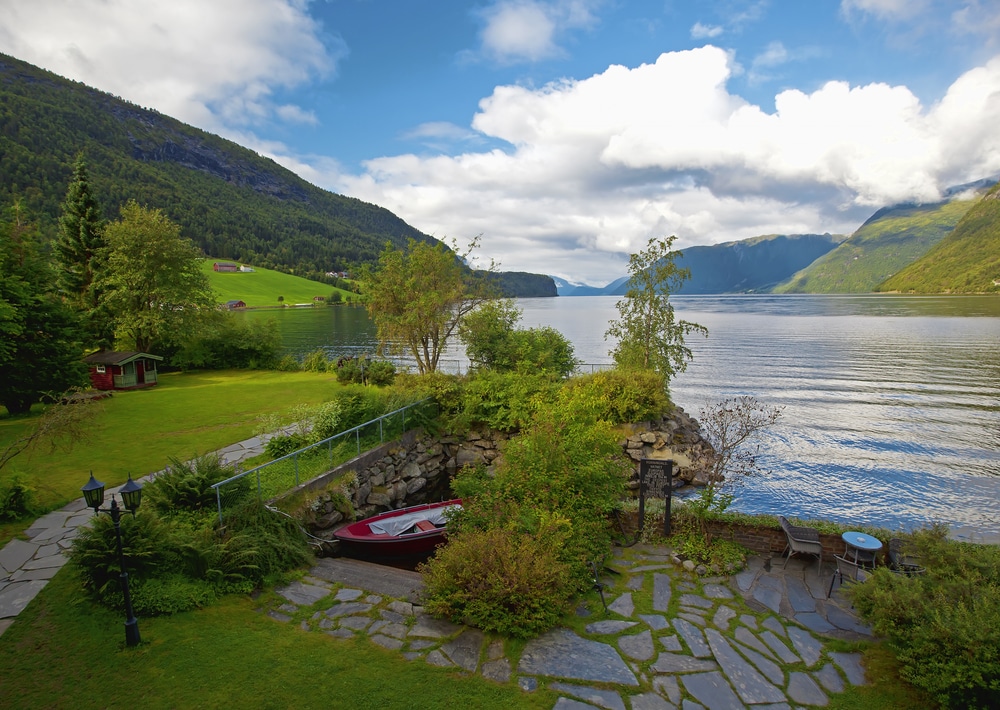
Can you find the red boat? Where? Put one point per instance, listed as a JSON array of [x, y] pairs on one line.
[[398, 533]]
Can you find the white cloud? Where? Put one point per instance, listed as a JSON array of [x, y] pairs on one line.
[[597, 166], [885, 9], [526, 30], [213, 64], [700, 31]]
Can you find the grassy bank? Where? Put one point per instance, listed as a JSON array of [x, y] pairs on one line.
[[185, 415], [62, 652], [262, 287]]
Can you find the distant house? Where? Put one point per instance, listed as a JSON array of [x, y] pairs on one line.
[[246, 269], [225, 266], [233, 305], [114, 370], [319, 299]]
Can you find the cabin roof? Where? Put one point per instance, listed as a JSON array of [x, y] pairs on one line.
[[117, 357]]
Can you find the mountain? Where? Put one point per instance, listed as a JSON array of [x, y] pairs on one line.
[[965, 261], [232, 202], [887, 242], [755, 264]]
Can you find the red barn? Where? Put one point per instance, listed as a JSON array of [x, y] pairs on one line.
[[225, 266], [113, 370]]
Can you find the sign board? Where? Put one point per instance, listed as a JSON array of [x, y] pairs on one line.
[[656, 481]]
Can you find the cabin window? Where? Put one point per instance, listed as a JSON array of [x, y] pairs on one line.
[[100, 369]]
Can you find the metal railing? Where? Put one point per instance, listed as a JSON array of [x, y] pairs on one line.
[[284, 473]]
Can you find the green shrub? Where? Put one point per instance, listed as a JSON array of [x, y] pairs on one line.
[[506, 401], [187, 485], [500, 580], [288, 363], [284, 444], [316, 361], [616, 396], [943, 625], [227, 341], [349, 372], [148, 545], [327, 420], [170, 594], [257, 543], [444, 389], [380, 373], [17, 499]]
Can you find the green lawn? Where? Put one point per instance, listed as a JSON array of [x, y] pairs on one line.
[[185, 415], [261, 287], [63, 652]]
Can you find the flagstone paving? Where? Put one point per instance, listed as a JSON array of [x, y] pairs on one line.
[[708, 643]]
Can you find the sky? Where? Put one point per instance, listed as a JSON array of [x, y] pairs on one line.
[[565, 133]]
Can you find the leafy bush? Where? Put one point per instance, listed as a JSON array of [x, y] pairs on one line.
[[616, 396], [149, 550], [257, 544], [500, 580], [349, 372], [506, 401], [943, 625], [288, 364], [187, 485], [316, 361], [539, 519], [227, 342], [381, 373], [17, 499], [284, 444], [444, 389]]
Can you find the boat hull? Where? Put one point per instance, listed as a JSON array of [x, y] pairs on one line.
[[358, 539]]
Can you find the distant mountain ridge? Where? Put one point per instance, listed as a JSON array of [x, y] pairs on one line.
[[749, 265], [901, 240], [232, 202], [965, 261]]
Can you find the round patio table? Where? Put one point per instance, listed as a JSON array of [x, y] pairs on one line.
[[862, 546]]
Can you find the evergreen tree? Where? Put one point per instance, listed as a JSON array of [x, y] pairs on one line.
[[81, 237], [39, 333]]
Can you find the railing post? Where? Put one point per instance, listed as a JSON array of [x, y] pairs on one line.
[[295, 457], [381, 437], [357, 437], [260, 496], [218, 500]]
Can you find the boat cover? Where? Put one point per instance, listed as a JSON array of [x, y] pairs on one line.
[[404, 523]]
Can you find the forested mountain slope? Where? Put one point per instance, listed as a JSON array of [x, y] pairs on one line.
[[891, 239], [965, 261], [230, 201], [756, 264]]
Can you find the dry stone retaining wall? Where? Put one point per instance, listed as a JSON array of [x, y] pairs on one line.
[[418, 468]]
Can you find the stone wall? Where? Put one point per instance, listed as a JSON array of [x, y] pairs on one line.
[[418, 468]]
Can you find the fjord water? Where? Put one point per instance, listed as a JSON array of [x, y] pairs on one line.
[[891, 403]]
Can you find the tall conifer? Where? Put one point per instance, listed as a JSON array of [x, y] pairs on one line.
[[81, 237]]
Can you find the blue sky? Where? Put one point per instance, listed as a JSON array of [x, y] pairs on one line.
[[565, 132]]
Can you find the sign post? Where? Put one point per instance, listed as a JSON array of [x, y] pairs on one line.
[[658, 475]]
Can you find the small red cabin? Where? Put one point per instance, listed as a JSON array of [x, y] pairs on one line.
[[225, 266], [113, 370]]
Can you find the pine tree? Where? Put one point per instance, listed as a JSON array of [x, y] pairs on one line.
[[39, 333], [81, 237]]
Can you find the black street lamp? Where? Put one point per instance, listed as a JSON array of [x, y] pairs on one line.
[[131, 492]]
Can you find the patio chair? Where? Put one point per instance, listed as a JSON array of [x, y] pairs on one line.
[[902, 559], [801, 540], [847, 571]]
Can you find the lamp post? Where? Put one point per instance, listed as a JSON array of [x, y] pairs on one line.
[[131, 492]]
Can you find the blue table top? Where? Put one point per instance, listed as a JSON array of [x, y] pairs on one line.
[[861, 541]]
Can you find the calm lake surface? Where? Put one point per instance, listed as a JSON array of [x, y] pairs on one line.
[[891, 403]]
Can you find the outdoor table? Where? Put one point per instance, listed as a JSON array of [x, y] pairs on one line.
[[862, 546]]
